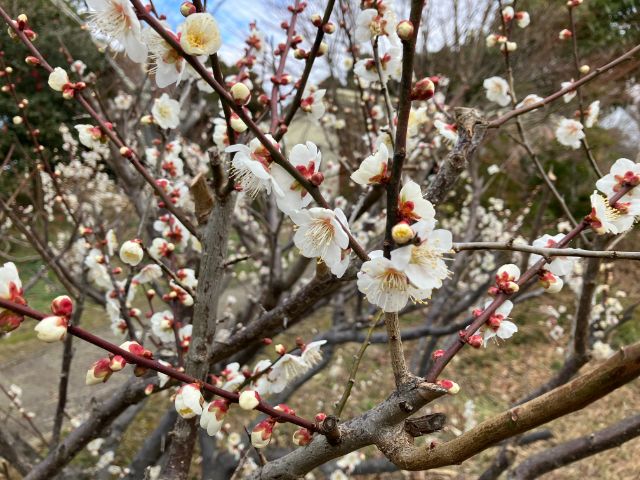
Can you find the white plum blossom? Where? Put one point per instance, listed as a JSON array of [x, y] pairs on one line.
[[213, 416], [166, 112], [426, 268], [169, 65], [162, 326], [569, 133], [373, 169], [188, 277], [529, 100], [199, 35], [131, 253], [160, 248], [384, 281], [623, 173], [321, 233], [312, 103], [560, 265], [58, 78], [497, 90], [52, 329], [89, 136], [567, 97], [249, 399], [497, 325], [523, 19], [591, 116], [370, 24], [390, 64], [251, 168], [411, 205], [306, 160], [118, 20], [189, 401], [447, 130], [606, 219]]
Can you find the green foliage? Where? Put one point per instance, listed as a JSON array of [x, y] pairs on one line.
[[612, 22], [47, 110]]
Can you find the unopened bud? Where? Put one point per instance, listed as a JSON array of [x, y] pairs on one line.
[[249, 399], [475, 341], [405, 30], [187, 8], [565, 34], [146, 120], [126, 152], [317, 178], [62, 306], [302, 437], [17, 120], [402, 233], [117, 363], [237, 124], [423, 89], [31, 60], [322, 49], [280, 349], [316, 19], [450, 385], [437, 354], [584, 69], [240, 93], [329, 28]]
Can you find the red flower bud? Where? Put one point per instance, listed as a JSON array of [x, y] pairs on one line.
[[62, 306]]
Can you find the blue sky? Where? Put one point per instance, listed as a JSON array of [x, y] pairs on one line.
[[233, 17]]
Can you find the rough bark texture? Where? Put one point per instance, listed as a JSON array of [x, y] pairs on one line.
[[577, 449], [210, 286]]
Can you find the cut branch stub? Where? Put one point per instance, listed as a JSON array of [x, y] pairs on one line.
[[416, 427], [329, 428]]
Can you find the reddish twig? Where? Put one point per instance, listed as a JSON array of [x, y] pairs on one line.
[[462, 339], [158, 367]]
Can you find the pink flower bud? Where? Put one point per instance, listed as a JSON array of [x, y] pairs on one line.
[[99, 372], [475, 341], [62, 306], [280, 349], [187, 8], [302, 437], [126, 152], [284, 408], [52, 329], [565, 34], [117, 363], [437, 354], [450, 385], [316, 19], [320, 417], [423, 89], [9, 321], [249, 399], [317, 178], [33, 61], [405, 30], [261, 433], [329, 28], [148, 390]]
